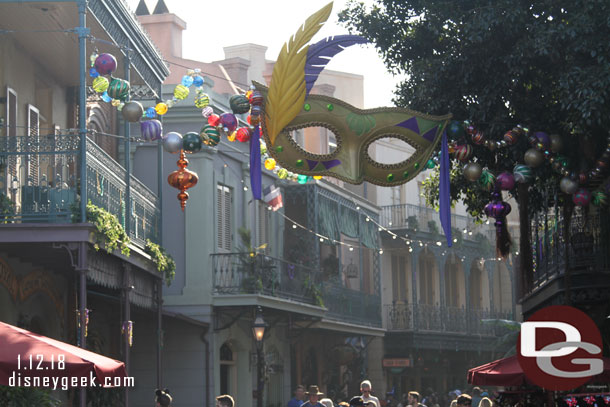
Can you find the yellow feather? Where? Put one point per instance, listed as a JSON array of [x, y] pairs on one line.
[[287, 88]]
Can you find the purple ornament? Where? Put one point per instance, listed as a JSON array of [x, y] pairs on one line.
[[105, 64], [582, 197], [543, 138], [497, 208], [228, 121], [151, 129], [505, 181]]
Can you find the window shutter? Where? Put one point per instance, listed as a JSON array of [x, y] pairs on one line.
[[33, 134], [223, 211], [219, 215], [11, 126], [227, 219]]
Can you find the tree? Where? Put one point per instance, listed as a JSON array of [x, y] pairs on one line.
[[499, 63]]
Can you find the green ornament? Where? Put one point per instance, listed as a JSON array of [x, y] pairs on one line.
[[302, 179], [209, 135], [239, 104], [279, 149], [599, 198], [307, 107], [405, 174], [300, 163], [118, 89], [192, 142], [430, 164], [330, 107], [416, 165], [390, 177], [487, 180]]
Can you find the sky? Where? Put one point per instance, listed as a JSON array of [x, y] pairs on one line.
[[214, 25]]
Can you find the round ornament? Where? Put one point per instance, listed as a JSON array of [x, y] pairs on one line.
[[511, 137], [106, 98], [505, 181], [239, 104], [472, 171], [161, 108], [556, 143], [202, 100], [172, 142], [191, 142], [568, 185], [282, 173], [105, 64], [93, 73], [522, 173], [181, 92], [132, 111], [256, 98], [582, 197], [210, 135], [243, 134], [487, 180], [207, 111], [187, 80], [463, 152], [533, 158], [151, 129], [228, 121], [213, 120], [198, 81], [118, 89], [478, 138], [430, 164], [253, 120], [270, 164], [100, 84], [543, 138], [455, 130], [302, 179], [599, 198], [151, 112]]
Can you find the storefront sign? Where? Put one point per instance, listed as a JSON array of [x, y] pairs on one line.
[[396, 362]]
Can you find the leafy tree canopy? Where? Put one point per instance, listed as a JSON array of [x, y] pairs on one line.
[[543, 64]]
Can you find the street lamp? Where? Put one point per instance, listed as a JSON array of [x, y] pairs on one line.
[[258, 330]]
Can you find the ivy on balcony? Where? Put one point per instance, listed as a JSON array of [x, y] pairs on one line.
[[164, 262]]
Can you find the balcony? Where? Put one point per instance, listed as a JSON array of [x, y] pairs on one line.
[[440, 319], [41, 177], [239, 273]]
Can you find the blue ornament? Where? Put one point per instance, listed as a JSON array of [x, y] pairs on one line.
[[151, 112], [198, 81], [187, 80], [93, 73], [106, 98], [302, 179]]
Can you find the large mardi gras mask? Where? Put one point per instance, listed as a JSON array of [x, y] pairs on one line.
[[289, 106]]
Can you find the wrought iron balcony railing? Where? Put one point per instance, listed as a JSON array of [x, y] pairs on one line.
[[434, 318], [240, 273], [39, 179]]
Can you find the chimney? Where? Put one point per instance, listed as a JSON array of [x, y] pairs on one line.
[[142, 10], [253, 53], [164, 28]]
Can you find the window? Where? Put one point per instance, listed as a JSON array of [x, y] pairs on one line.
[[227, 370], [224, 201], [399, 279], [11, 133], [32, 164]]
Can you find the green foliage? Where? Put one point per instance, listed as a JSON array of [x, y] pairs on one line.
[[6, 207], [109, 233], [412, 222], [543, 64], [164, 262], [314, 291], [26, 397], [433, 227]]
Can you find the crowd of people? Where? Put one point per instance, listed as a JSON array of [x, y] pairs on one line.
[[314, 398]]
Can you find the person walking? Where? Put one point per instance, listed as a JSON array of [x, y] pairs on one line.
[[299, 395], [162, 398], [313, 394], [366, 388], [225, 400]]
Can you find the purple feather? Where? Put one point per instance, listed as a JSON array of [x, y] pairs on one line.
[[320, 53]]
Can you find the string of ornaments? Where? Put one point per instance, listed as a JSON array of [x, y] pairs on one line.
[[116, 91]]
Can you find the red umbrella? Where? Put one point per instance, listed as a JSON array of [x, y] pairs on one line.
[[508, 372], [24, 354]]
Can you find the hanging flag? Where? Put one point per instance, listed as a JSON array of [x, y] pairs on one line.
[[272, 196], [444, 198], [255, 164]]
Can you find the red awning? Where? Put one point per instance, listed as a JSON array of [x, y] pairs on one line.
[[508, 372], [18, 347]]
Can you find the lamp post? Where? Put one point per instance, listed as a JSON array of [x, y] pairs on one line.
[[258, 330]]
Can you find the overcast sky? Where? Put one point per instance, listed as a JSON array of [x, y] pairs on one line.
[[214, 25]]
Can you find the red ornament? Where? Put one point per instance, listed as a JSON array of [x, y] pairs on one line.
[[243, 134], [182, 179], [478, 138], [213, 120], [256, 98], [254, 120]]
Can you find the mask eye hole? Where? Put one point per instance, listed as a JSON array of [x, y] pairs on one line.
[[389, 152], [318, 141]]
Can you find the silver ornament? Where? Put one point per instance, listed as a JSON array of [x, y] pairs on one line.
[[568, 185], [172, 142], [132, 111], [556, 143], [533, 158], [472, 172]]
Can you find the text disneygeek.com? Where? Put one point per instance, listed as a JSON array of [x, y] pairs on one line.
[[18, 379]]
